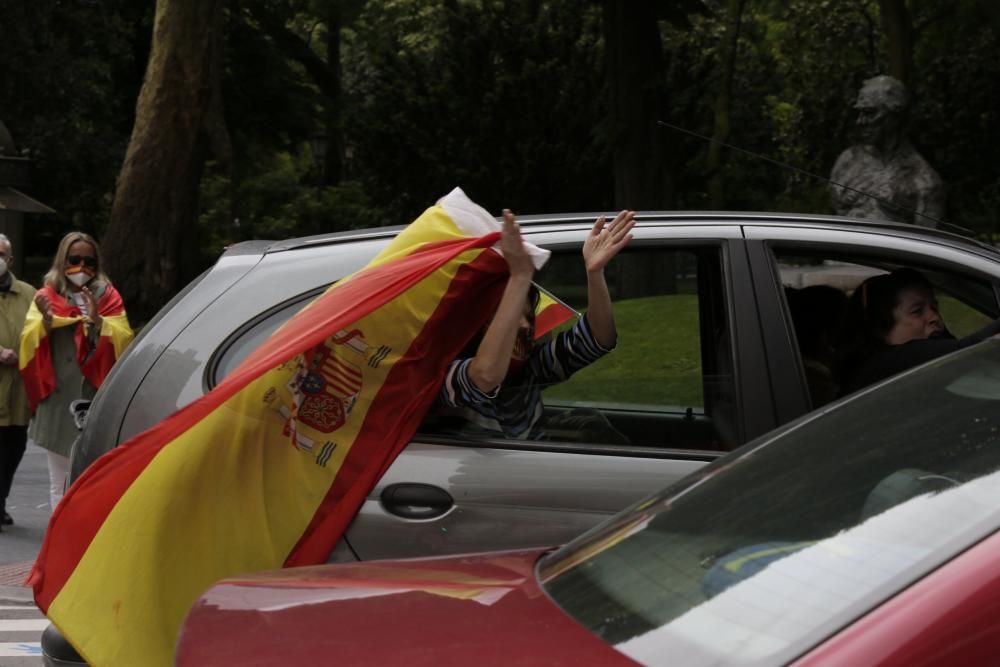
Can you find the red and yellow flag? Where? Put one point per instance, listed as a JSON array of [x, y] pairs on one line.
[[550, 313], [35, 358], [269, 468]]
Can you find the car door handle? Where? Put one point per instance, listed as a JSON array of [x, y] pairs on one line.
[[416, 501]]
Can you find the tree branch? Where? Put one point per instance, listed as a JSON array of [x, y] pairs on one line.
[[295, 48]]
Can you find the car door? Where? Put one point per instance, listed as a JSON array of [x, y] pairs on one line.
[[684, 385], [789, 259]]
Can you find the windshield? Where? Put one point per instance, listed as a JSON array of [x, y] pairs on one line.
[[764, 553]]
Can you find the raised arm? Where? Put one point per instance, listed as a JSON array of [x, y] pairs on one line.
[[489, 367], [603, 243]]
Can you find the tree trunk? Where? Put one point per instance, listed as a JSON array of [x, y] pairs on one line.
[[156, 199], [898, 26], [635, 73], [723, 102], [334, 167]]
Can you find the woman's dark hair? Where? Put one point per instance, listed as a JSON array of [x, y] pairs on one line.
[[869, 317], [534, 298]]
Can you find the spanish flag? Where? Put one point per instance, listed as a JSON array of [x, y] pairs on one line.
[[269, 468], [35, 358], [550, 313]]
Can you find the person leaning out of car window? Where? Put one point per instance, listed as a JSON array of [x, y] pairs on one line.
[[496, 387], [893, 324], [74, 331]]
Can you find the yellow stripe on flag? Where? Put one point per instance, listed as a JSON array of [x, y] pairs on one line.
[[116, 327], [34, 331]]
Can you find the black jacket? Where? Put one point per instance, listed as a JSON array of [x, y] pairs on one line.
[[887, 360]]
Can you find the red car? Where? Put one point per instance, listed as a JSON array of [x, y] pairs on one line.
[[865, 533]]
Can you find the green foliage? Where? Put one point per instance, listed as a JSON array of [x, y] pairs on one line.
[[70, 80], [957, 111], [505, 98], [501, 98], [271, 103], [278, 206]]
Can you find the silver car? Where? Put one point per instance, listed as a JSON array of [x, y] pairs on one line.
[[707, 360]]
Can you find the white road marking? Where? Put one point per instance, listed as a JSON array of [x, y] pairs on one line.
[[19, 649], [23, 624]]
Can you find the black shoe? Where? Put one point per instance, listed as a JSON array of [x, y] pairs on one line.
[[7, 520]]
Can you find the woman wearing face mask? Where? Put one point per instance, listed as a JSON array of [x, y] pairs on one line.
[[75, 331]]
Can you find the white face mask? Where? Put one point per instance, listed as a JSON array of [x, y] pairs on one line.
[[3, 266], [79, 279]]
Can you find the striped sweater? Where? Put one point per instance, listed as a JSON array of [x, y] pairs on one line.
[[514, 409]]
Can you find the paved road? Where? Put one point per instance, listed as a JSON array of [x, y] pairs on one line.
[[29, 505], [21, 623], [21, 626]]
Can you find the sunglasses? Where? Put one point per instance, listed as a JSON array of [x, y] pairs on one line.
[[87, 260]]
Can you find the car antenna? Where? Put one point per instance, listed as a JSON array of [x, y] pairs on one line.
[[966, 232]]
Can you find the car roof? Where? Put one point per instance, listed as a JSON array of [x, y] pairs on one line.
[[546, 222]]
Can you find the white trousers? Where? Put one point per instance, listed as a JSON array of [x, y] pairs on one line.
[[58, 472]]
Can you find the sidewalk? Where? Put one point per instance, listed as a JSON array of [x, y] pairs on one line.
[[29, 505], [11, 582]]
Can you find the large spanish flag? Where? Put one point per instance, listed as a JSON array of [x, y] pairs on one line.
[[269, 468], [35, 356]]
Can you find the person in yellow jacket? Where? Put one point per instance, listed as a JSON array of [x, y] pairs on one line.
[[16, 297]]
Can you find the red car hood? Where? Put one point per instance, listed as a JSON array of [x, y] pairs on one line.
[[485, 609]]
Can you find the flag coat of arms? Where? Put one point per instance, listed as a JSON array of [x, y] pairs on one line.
[[269, 468]]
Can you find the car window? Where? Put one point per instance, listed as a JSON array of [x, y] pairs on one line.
[[669, 382], [762, 554], [248, 337], [817, 285]]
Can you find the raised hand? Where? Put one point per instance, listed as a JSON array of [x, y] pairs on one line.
[[92, 313], [606, 239], [518, 260]]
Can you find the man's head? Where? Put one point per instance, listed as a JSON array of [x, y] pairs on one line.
[[6, 255], [881, 107]]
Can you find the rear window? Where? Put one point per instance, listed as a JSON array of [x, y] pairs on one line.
[[767, 551]]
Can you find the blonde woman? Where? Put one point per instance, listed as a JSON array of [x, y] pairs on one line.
[[74, 332]]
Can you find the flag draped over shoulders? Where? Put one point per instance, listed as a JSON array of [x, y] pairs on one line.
[[95, 358], [269, 468]]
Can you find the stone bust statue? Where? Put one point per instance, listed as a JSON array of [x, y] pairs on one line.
[[883, 163]]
